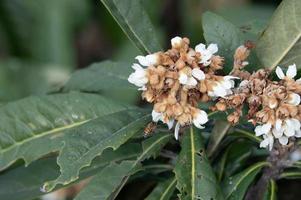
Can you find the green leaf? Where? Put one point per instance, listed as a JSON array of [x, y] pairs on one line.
[[194, 174], [151, 147], [292, 174], [164, 190], [108, 78], [270, 194], [217, 134], [236, 186], [245, 133], [86, 142], [135, 23], [106, 181], [25, 182], [33, 127], [280, 43], [226, 35]]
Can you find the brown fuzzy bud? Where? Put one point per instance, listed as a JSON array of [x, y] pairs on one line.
[[221, 106], [216, 63]]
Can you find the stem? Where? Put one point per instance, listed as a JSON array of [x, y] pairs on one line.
[[278, 160]]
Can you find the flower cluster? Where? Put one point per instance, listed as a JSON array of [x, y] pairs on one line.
[[175, 81], [274, 106]]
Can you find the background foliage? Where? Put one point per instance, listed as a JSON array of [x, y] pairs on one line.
[[64, 119]]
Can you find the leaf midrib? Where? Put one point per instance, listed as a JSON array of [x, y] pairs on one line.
[[192, 163], [168, 188], [39, 135]]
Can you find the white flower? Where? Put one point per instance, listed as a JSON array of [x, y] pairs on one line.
[[138, 77], [149, 60], [200, 119], [177, 128], [295, 155], [281, 130], [190, 80], [263, 129], [294, 99], [223, 88], [176, 41], [283, 140], [291, 127], [268, 141], [290, 73], [159, 117], [206, 53]]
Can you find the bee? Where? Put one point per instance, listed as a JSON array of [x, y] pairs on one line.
[[149, 129]]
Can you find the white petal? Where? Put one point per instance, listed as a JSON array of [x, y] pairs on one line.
[[230, 77], [244, 83], [278, 124], [200, 48], [198, 74], [143, 88], [200, 119], [183, 78], [266, 128], [176, 41], [152, 59], [136, 66], [283, 140], [258, 130], [177, 128], [271, 142], [191, 81], [264, 143], [280, 73], [295, 155], [245, 63], [219, 91], [296, 124], [212, 48], [277, 133], [298, 134], [142, 60], [292, 71], [157, 116], [289, 128], [170, 123], [294, 99], [206, 62]]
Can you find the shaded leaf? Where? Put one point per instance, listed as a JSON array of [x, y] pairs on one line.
[[227, 36], [89, 140], [218, 132], [32, 127], [280, 42], [270, 194], [164, 190], [134, 21], [108, 78], [25, 182], [194, 174], [106, 181], [292, 174], [236, 186], [150, 147]]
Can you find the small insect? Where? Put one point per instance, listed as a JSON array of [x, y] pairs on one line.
[[149, 129]]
